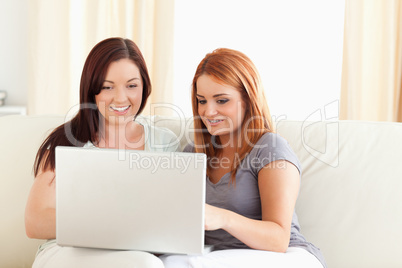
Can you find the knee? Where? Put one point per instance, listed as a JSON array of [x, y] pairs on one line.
[[67, 257], [184, 261]]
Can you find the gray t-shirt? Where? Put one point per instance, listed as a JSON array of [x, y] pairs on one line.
[[244, 197]]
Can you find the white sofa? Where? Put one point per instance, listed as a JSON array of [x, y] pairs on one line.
[[350, 203]]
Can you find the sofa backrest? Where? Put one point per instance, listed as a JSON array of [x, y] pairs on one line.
[[350, 201], [20, 137]]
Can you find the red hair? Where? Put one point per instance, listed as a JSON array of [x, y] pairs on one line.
[[233, 68]]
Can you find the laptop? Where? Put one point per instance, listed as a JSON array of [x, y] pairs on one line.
[[130, 200]]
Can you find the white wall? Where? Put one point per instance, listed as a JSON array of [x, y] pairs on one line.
[[296, 46], [14, 50]]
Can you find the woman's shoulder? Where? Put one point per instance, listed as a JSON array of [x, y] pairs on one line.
[[161, 132], [272, 146], [189, 148], [153, 129], [271, 141], [158, 136]]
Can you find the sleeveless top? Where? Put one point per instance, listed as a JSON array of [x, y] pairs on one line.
[[157, 139]]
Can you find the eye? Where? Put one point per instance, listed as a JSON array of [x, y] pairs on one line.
[[132, 86], [201, 101], [222, 101], [106, 88]]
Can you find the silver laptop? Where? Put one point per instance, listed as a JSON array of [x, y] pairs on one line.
[[130, 200]]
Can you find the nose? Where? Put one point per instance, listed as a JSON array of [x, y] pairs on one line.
[[210, 110], [120, 95]]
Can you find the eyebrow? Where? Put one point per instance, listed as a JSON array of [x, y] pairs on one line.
[[135, 78], [215, 96]]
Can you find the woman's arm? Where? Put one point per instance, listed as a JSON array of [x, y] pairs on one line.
[[279, 183], [40, 211]]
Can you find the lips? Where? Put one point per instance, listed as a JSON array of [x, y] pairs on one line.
[[214, 122], [120, 109]]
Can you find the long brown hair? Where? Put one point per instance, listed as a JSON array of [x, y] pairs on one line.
[[85, 125], [233, 68]]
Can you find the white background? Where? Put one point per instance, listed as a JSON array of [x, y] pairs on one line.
[[296, 46]]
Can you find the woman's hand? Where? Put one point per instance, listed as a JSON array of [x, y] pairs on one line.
[[278, 184], [215, 218]]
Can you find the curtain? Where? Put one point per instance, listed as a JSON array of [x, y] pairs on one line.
[[372, 61], [63, 32]]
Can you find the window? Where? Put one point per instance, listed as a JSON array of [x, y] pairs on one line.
[[296, 46]]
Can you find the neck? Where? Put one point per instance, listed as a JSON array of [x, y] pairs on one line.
[[230, 141], [121, 136]]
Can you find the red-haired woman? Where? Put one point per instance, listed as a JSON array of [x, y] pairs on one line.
[[114, 88], [253, 176]]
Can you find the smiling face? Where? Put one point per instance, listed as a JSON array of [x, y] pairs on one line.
[[120, 97], [220, 107]]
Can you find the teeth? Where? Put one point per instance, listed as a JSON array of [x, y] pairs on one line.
[[120, 109], [214, 121]]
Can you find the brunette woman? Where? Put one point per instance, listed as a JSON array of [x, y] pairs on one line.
[[114, 88]]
